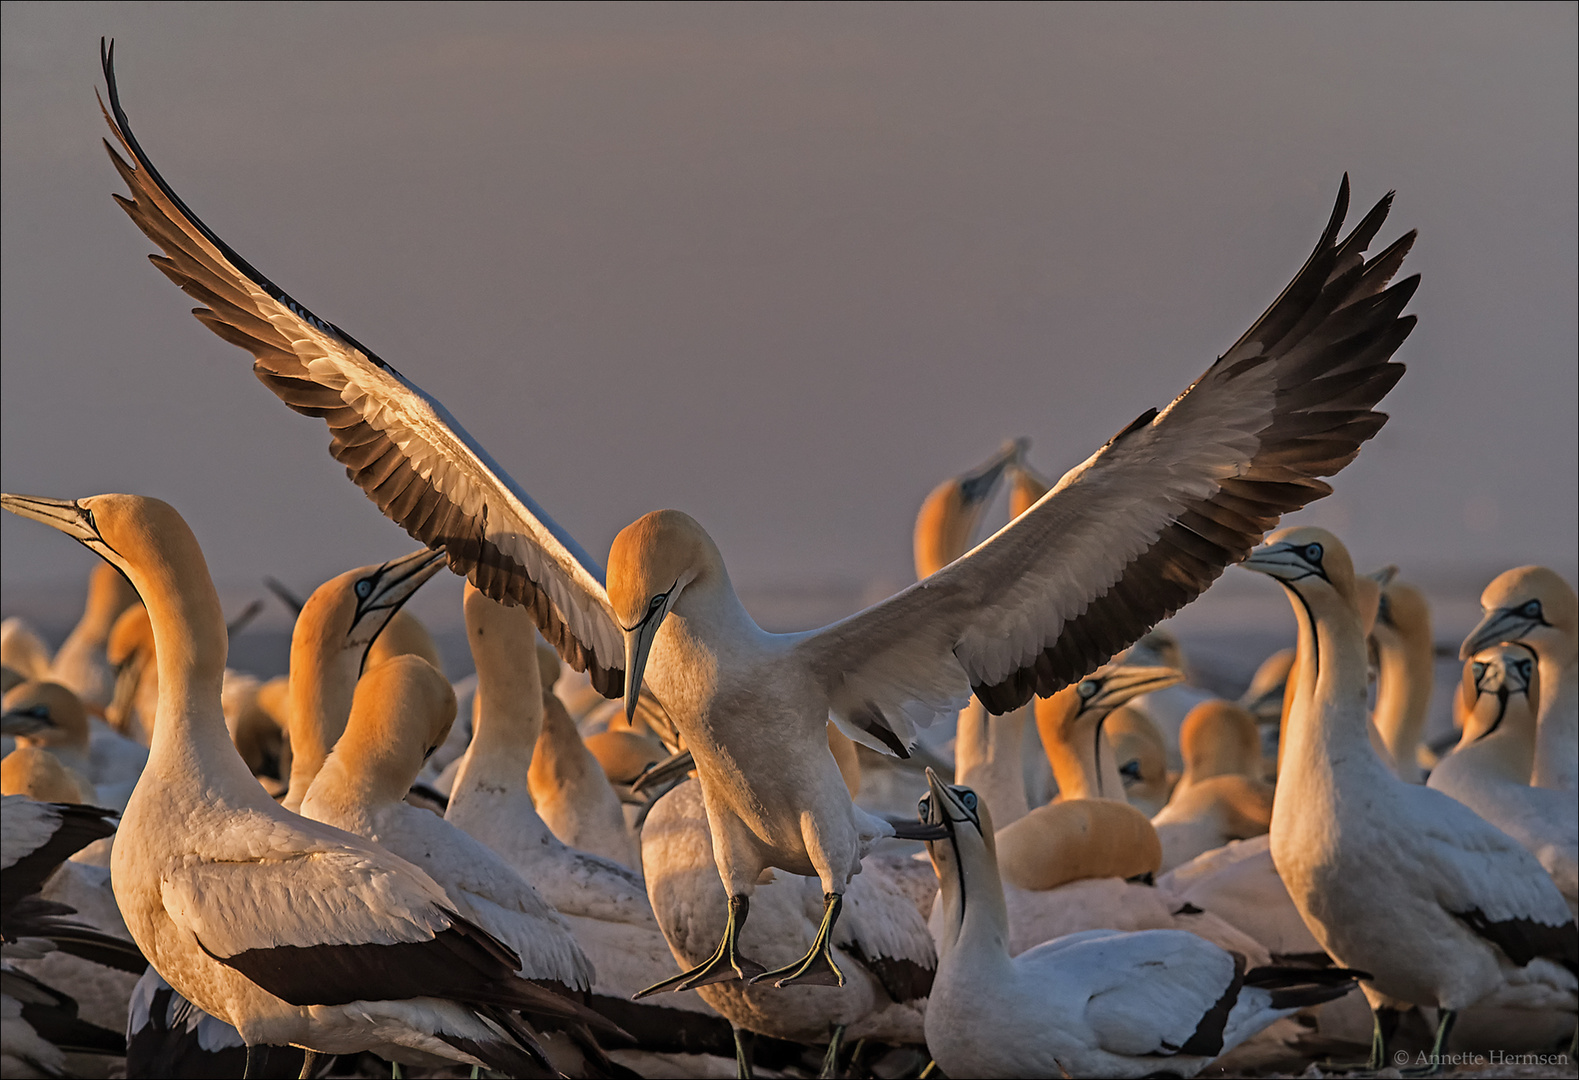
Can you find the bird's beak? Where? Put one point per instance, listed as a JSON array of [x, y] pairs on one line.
[[63, 514], [397, 581], [976, 488], [638, 644], [24, 724], [1279, 561], [1125, 683], [1504, 624], [1268, 705]]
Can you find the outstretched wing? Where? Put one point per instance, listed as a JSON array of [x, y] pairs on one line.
[[398, 444], [1150, 520]]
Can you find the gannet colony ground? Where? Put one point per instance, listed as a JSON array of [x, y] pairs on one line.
[[1064, 805]]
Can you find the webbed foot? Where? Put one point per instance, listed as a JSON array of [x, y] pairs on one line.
[[724, 965], [817, 967]]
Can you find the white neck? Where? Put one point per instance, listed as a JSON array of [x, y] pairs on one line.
[[1557, 730], [1403, 693], [975, 917], [505, 729], [321, 690]]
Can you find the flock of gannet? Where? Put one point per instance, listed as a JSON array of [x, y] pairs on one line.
[[363, 858]]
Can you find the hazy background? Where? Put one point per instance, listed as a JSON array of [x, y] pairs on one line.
[[784, 267]]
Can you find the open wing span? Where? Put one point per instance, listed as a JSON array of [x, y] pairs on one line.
[[398, 445]]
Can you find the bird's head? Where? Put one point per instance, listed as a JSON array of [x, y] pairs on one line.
[[1310, 561], [1530, 604], [1498, 679], [653, 560], [345, 614]]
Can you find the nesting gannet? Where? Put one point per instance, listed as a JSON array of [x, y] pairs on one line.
[[987, 749], [1443, 909], [1125, 539], [604, 903], [1220, 797], [80, 663], [569, 788], [1070, 724], [1490, 770], [330, 643], [1096, 1003], [1086, 864], [136, 696], [277, 925], [882, 942], [1406, 652], [109, 764], [1535, 606], [1142, 758], [402, 710]]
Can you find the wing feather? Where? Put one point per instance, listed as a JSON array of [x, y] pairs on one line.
[[1150, 520], [401, 447]]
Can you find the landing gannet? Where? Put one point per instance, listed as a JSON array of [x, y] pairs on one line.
[[1443, 909], [1534, 606], [277, 925], [80, 664], [1125, 539], [1097, 1003], [330, 644], [1490, 770]]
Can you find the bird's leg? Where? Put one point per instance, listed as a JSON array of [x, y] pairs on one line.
[[1444, 1027], [396, 1072], [309, 1063], [725, 964], [1384, 1024], [744, 1042], [816, 967], [830, 1060], [247, 1070]]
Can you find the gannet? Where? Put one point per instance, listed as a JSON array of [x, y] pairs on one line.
[[1406, 652], [1220, 797], [109, 764], [1096, 1003], [569, 788], [1536, 607], [604, 903], [1086, 864], [1070, 724], [1167, 707], [403, 635], [1264, 696], [277, 925], [403, 709], [1443, 909], [1124, 539], [1142, 758], [1490, 770], [80, 664], [30, 1009], [35, 772], [330, 644]]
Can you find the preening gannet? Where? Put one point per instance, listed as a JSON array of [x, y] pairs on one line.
[[80, 663], [1535, 606], [1125, 539], [280, 926], [1097, 1003], [1490, 770], [1441, 908], [330, 645]]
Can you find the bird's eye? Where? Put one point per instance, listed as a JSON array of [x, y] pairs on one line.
[[924, 808], [1532, 609], [1478, 669], [1130, 771], [967, 798], [657, 602], [364, 588], [1523, 668], [38, 712], [1313, 553], [1088, 689]]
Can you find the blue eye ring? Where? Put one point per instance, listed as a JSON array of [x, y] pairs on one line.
[[1313, 553], [924, 807], [968, 799], [364, 588], [1531, 609], [1088, 689]]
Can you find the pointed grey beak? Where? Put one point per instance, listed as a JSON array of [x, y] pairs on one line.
[[673, 767], [1126, 683], [63, 514], [1504, 624], [1279, 561], [397, 581], [638, 644], [976, 487], [24, 723]]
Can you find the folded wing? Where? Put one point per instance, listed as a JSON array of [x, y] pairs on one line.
[[1147, 522], [398, 444]]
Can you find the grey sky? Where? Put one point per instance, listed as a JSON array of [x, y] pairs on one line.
[[784, 267]]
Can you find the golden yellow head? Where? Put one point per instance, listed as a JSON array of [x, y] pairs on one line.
[[54, 712], [652, 559], [1307, 554], [1530, 604]]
